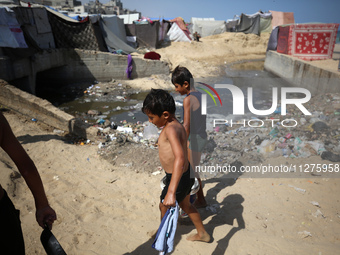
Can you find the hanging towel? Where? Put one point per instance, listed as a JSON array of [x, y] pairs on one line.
[[164, 241], [129, 67]]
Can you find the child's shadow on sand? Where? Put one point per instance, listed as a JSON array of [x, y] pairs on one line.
[[230, 209]]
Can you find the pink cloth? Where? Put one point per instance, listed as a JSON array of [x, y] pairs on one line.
[[282, 18]]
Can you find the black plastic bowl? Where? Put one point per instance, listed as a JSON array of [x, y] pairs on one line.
[[50, 243]]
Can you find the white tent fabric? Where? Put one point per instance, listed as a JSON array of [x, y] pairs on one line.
[[193, 19], [129, 18], [11, 34], [208, 27], [176, 34]]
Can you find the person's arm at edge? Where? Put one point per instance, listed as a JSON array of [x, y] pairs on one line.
[[28, 170], [177, 172], [186, 119]]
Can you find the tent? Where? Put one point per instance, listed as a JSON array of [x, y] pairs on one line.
[[11, 34], [308, 41], [69, 33], [36, 27], [206, 27], [129, 18], [146, 34], [178, 31], [232, 23], [265, 22], [176, 34], [255, 23], [272, 42], [113, 31]]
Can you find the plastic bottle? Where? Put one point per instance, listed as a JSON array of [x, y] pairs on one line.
[[150, 131]]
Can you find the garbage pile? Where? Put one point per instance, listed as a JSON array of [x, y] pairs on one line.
[[316, 134]]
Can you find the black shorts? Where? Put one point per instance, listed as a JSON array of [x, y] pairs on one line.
[[184, 185], [11, 238]]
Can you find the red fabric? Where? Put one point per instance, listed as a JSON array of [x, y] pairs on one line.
[[282, 40], [152, 55], [312, 41], [308, 41]]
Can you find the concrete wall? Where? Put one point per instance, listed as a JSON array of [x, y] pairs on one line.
[[74, 65], [43, 111], [102, 66], [302, 74]]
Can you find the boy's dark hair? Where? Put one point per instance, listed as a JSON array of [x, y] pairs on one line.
[[180, 75], [158, 101]]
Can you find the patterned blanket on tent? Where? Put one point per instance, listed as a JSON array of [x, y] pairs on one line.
[[312, 41], [69, 34]]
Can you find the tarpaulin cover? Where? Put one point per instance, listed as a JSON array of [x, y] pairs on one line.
[[70, 34], [311, 41], [208, 27], [36, 27], [231, 24], [147, 34], [282, 18], [180, 23], [112, 40], [249, 24], [272, 42], [163, 29], [265, 24], [176, 34], [11, 34], [116, 25]]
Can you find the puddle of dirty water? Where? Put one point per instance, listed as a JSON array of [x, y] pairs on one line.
[[117, 102]]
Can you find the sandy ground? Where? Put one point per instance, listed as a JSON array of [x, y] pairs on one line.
[[111, 209]]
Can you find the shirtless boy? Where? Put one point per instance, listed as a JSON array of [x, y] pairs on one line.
[[160, 108], [194, 122], [11, 238]]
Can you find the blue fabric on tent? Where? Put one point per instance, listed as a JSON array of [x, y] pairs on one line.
[[164, 241], [272, 43]]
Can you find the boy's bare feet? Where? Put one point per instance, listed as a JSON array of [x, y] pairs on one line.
[[205, 237]]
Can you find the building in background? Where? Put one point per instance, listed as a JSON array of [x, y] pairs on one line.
[[114, 7]]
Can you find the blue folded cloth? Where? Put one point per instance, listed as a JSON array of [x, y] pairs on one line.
[[164, 241]]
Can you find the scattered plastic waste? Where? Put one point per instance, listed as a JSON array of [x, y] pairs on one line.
[[315, 204], [157, 172], [318, 213], [274, 132], [304, 234], [150, 131], [124, 129], [266, 146], [297, 189]]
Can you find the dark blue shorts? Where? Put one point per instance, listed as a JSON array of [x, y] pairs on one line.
[[184, 185]]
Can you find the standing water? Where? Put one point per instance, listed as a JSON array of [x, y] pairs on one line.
[[117, 102]]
